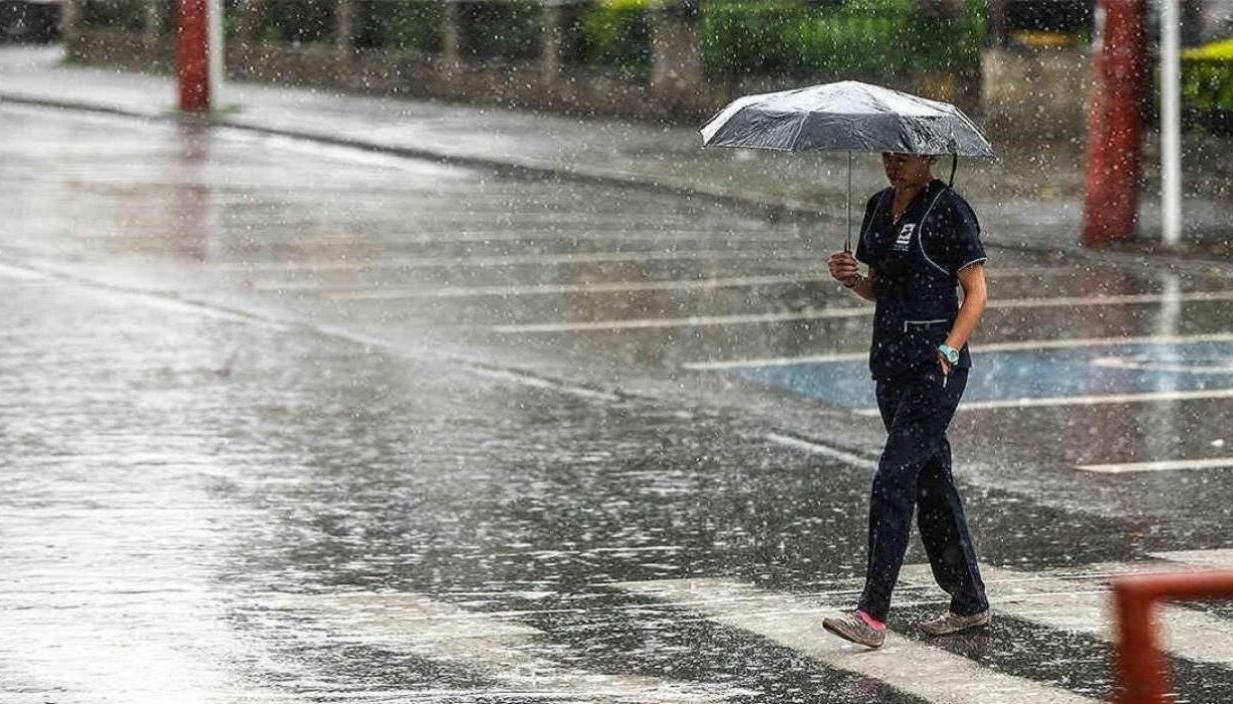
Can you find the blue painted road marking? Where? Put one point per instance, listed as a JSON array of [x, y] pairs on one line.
[[1000, 376]]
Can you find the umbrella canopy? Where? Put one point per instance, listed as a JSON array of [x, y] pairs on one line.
[[845, 116]]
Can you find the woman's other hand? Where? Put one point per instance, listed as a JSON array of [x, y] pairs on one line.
[[843, 267], [943, 365]]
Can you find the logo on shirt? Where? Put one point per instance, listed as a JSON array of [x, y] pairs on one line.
[[904, 242]]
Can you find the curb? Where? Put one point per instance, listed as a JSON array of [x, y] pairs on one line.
[[769, 209], [774, 210]]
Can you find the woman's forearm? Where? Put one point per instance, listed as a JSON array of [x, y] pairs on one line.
[[966, 321], [975, 296]]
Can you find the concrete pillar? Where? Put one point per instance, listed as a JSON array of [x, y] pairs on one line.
[[451, 37], [344, 29], [153, 28], [999, 30], [70, 16], [550, 41], [676, 53], [248, 22]]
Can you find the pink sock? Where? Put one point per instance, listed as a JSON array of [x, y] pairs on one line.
[[871, 621]]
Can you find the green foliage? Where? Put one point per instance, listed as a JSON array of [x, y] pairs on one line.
[[399, 24], [127, 15], [296, 21], [823, 39], [1221, 50], [616, 33], [508, 30], [858, 37], [1207, 79], [1207, 84]]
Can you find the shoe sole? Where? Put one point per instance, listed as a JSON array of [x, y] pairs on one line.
[[849, 638], [972, 627]]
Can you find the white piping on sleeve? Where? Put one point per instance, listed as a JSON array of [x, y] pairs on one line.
[[974, 261]]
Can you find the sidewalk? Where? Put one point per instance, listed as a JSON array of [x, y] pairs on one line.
[[1029, 198]]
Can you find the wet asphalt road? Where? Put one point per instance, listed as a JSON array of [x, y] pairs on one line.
[[284, 422]]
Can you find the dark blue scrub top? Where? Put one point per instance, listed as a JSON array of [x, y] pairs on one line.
[[915, 263]]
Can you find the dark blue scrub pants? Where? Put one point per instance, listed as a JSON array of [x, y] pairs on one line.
[[915, 471]]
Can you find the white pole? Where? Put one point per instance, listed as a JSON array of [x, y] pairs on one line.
[[214, 50], [847, 241], [1170, 122]]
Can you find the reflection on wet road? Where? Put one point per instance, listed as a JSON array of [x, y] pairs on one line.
[[289, 423], [1038, 373]]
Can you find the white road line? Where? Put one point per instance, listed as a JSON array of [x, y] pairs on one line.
[[596, 287], [508, 260], [1159, 466], [1146, 397], [620, 233], [1112, 299], [450, 236], [1166, 367], [692, 321], [150, 299], [502, 649], [359, 294], [718, 364], [1081, 606], [205, 310], [796, 622], [540, 383], [509, 375], [820, 449], [1015, 346], [165, 302], [856, 311]]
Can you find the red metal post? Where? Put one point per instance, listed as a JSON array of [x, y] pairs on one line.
[[1141, 667], [1115, 125], [192, 56]]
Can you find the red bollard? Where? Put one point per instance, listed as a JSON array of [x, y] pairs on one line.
[[1142, 670], [192, 56], [1115, 125]]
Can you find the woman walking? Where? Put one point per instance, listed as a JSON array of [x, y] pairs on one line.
[[921, 242]]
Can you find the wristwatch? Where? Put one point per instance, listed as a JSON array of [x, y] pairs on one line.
[[950, 354]]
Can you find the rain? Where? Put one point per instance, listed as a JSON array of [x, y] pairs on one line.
[[609, 351]]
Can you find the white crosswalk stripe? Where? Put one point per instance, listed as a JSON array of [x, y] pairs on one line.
[[1080, 605], [909, 666], [505, 649], [499, 647]]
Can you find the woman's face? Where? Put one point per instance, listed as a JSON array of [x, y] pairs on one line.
[[906, 169]]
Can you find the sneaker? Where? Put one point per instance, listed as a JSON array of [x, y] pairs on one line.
[[852, 627], [953, 623]]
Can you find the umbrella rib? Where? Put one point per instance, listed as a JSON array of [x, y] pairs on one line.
[[800, 125]]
